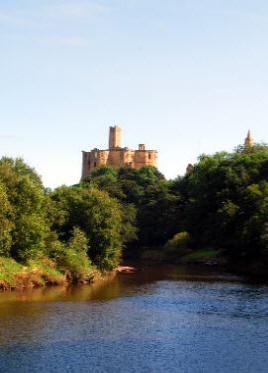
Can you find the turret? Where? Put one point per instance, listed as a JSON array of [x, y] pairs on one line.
[[248, 139], [115, 137], [141, 147]]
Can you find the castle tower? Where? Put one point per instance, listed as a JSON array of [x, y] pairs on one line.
[[115, 137], [248, 139]]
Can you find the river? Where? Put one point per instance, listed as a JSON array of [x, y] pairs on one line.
[[160, 319]]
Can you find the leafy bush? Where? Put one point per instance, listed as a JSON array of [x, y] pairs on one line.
[[179, 244], [74, 259]]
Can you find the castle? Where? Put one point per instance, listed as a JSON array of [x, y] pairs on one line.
[[117, 156]]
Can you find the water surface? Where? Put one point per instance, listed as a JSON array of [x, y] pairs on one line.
[[167, 319]]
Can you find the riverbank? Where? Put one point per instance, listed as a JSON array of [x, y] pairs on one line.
[[44, 272], [189, 257], [41, 272], [254, 269]]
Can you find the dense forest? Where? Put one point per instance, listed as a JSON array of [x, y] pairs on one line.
[[220, 204]]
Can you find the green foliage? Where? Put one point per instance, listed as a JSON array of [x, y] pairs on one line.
[[26, 215], [225, 202], [157, 214], [222, 202], [180, 241], [128, 229], [8, 270], [105, 178], [43, 271], [202, 254], [5, 223], [96, 214], [248, 149], [72, 257], [74, 226], [106, 170], [150, 211], [179, 244]]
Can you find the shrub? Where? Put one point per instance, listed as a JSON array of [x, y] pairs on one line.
[[179, 244], [75, 259], [72, 256]]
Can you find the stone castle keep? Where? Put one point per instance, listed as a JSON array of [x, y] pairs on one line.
[[117, 156]]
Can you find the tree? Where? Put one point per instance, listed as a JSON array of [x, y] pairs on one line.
[[6, 225], [25, 194], [225, 201], [96, 214], [158, 215]]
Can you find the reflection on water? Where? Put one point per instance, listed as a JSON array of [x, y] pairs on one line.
[[170, 319]]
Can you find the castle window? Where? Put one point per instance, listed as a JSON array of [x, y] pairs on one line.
[[149, 156], [89, 163], [95, 164]]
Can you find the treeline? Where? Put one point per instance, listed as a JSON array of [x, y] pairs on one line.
[[221, 203], [225, 202], [69, 230]]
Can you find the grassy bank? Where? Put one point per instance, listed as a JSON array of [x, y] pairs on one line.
[[254, 269], [41, 272], [202, 256]]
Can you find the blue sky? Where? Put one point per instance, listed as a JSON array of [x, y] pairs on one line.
[[183, 77]]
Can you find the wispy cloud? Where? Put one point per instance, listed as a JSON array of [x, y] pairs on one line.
[[58, 12], [71, 40], [43, 20], [8, 137], [6, 18], [75, 10], [17, 19]]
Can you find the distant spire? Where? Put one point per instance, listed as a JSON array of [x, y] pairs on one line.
[[248, 139]]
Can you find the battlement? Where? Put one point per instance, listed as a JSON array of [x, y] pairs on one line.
[[117, 156]]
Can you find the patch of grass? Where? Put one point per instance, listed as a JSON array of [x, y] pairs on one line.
[[76, 266], [36, 273], [203, 254], [45, 269], [8, 271]]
